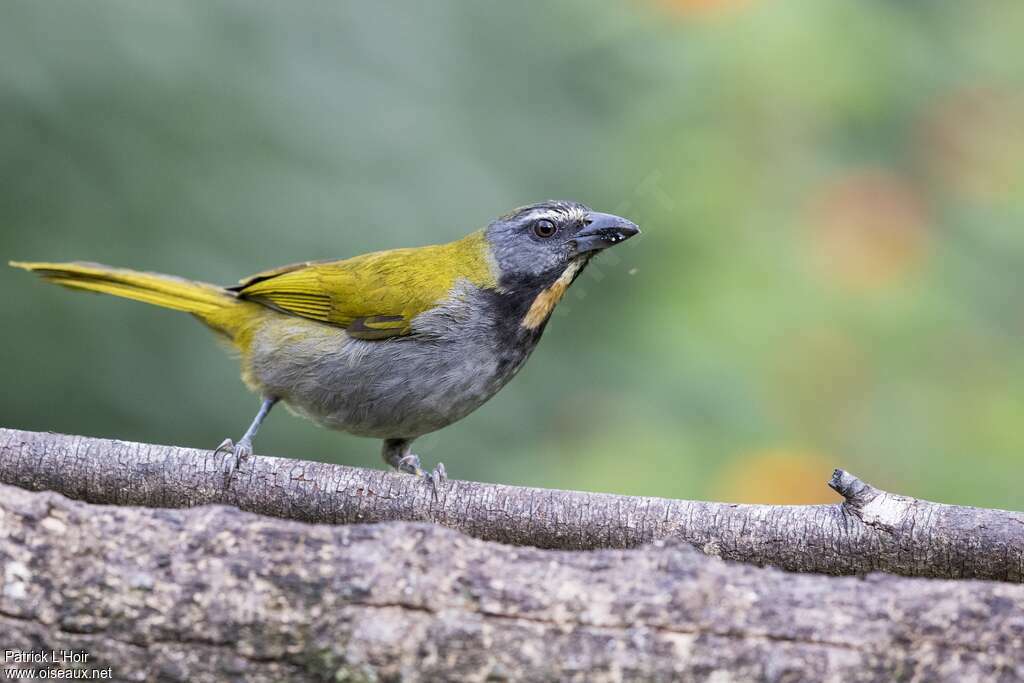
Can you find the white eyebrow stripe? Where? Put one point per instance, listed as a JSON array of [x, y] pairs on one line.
[[550, 214]]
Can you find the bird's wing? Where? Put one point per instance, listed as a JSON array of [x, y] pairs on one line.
[[374, 296]]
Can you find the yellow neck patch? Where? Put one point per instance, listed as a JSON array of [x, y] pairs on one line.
[[546, 301]]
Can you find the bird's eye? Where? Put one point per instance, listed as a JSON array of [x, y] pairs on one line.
[[544, 228]]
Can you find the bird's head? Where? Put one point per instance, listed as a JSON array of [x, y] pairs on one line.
[[538, 242], [540, 249]]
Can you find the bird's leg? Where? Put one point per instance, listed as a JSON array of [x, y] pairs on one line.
[[238, 452], [398, 453]]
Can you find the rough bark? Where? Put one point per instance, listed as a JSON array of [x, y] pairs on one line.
[[216, 594], [870, 531]]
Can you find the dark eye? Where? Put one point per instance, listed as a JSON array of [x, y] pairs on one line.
[[544, 228]]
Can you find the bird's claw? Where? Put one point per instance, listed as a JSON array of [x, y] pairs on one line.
[[237, 454], [410, 464]]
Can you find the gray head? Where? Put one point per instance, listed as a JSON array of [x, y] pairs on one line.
[[538, 242]]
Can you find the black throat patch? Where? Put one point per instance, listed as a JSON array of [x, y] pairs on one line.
[[522, 305]]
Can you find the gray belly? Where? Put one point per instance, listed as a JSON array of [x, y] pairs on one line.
[[400, 387]]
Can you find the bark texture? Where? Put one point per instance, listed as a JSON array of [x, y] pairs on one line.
[[870, 531], [216, 594]]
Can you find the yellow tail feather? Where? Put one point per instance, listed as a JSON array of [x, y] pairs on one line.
[[167, 291]]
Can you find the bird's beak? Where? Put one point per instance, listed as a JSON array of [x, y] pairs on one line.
[[603, 230]]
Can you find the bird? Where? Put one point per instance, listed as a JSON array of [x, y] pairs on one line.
[[393, 344]]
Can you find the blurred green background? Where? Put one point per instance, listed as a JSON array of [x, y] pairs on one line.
[[832, 195]]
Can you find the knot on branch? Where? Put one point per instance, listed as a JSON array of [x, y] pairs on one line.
[[874, 507], [858, 494]]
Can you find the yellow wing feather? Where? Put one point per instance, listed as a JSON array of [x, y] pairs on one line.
[[374, 296]]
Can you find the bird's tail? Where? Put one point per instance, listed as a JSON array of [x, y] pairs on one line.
[[168, 291]]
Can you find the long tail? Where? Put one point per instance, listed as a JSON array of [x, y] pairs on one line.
[[200, 298]]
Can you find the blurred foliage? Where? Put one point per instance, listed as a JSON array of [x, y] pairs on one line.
[[832, 192]]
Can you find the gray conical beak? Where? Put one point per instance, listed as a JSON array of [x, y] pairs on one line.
[[603, 230]]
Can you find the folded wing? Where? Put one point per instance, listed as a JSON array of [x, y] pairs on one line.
[[374, 296]]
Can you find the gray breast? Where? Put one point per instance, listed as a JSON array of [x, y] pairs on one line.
[[457, 359]]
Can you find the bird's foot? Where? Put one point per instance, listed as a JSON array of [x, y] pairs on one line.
[[237, 453], [410, 464]]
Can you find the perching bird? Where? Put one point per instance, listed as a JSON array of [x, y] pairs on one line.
[[394, 344]]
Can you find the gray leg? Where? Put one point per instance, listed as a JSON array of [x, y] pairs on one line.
[[243, 449], [398, 453]]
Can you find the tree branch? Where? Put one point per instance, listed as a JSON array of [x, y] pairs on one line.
[[871, 531], [212, 594]]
